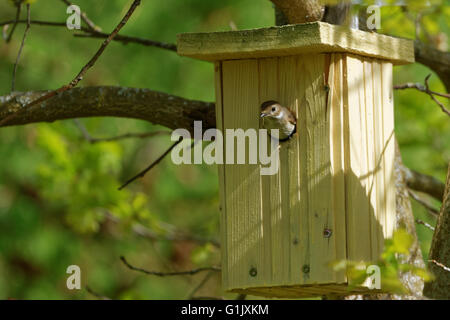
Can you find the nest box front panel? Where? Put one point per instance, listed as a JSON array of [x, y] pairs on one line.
[[282, 227], [333, 196]]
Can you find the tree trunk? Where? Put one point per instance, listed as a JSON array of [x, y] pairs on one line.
[[440, 251]]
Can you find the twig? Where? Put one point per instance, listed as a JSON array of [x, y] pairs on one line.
[[426, 89], [440, 265], [85, 18], [87, 136], [89, 33], [200, 285], [421, 88], [130, 135], [13, 84], [429, 226], [16, 21], [434, 212], [173, 236], [168, 274], [168, 235], [143, 172], [127, 39], [83, 71], [443, 108], [84, 131], [95, 294], [42, 23]]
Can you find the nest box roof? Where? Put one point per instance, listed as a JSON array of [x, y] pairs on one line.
[[291, 40]]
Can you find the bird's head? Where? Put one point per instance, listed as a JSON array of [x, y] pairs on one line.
[[270, 108]]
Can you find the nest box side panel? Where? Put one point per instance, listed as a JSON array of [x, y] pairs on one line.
[[369, 136], [356, 169], [389, 147]]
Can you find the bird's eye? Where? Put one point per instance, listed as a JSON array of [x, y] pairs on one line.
[[273, 109]]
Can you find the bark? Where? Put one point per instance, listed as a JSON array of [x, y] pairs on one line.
[[440, 251], [156, 107], [300, 11], [436, 60], [405, 219], [338, 14]]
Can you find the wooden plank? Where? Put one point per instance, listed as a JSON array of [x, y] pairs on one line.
[[291, 157], [222, 180], [371, 158], [318, 163], [336, 118], [379, 152], [357, 203], [315, 37], [389, 142], [242, 189], [270, 184], [303, 261]]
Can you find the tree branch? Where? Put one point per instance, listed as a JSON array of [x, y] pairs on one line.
[[424, 183], [91, 33], [426, 89], [436, 60], [429, 226], [33, 104], [168, 274], [128, 39], [440, 265], [156, 107], [430, 209]]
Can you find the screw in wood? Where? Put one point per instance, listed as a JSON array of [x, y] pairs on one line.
[[253, 272], [305, 268], [327, 232]]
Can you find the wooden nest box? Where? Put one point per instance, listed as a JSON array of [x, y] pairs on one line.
[[333, 197]]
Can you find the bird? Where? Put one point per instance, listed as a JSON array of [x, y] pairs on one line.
[[275, 116]]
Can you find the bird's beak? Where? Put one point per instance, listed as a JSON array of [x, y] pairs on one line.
[[263, 114]]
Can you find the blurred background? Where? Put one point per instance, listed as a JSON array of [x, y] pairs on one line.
[[59, 203]]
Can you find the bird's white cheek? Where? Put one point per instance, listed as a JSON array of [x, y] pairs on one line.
[[280, 115]]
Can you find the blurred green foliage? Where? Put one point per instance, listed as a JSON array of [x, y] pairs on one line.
[[59, 203], [390, 266]]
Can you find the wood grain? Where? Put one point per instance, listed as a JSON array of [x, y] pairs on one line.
[[315, 37]]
